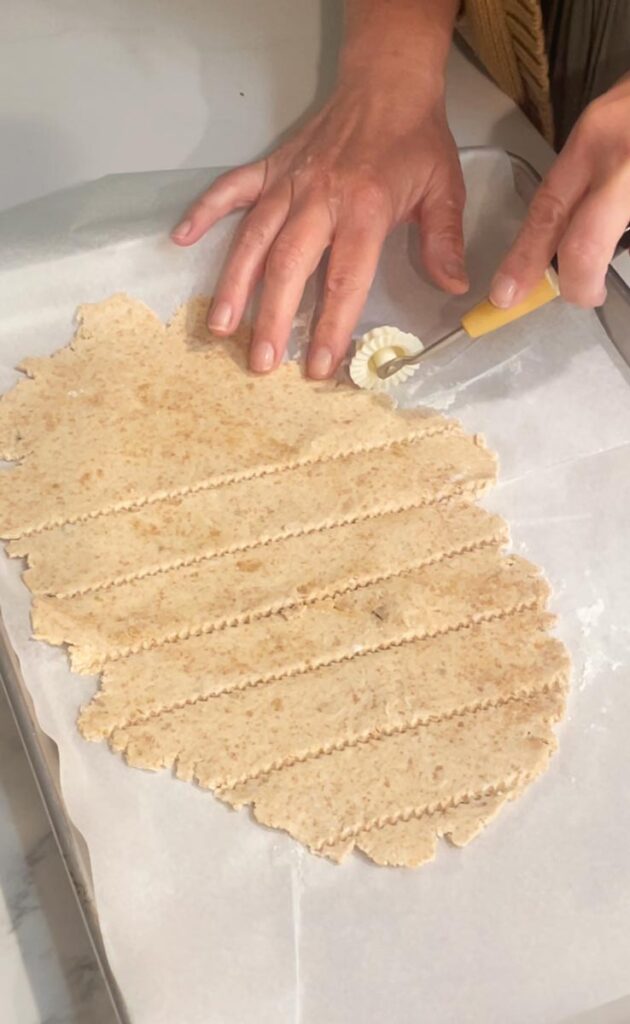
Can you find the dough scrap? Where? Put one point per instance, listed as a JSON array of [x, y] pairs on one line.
[[288, 587]]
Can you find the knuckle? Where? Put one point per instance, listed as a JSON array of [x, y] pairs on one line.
[[223, 185], [329, 334], [369, 198], [593, 118], [458, 190], [285, 258], [342, 281], [441, 220], [603, 125], [320, 178], [603, 138], [453, 204], [451, 192], [546, 211], [519, 263], [579, 251], [446, 234], [253, 237], [578, 294], [267, 325], [233, 281], [201, 205], [224, 180], [587, 122]]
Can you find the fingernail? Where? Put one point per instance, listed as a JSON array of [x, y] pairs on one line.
[[262, 357], [320, 363], [502, 291], [219, 316], [182, 229]]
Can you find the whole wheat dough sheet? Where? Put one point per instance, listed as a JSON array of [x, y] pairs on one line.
[[289, 588]]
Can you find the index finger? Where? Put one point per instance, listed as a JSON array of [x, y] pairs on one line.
[[537, 241], [589, 243]]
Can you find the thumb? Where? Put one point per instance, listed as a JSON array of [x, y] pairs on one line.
[[439, 220]]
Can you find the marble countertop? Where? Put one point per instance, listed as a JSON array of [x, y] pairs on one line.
[[48, 974], [113, 87]]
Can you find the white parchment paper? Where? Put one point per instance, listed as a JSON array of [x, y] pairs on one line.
[[209, 918]]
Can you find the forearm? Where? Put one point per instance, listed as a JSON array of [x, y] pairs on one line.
[[406, 37]]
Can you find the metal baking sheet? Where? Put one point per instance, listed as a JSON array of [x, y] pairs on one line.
[[284, 953]]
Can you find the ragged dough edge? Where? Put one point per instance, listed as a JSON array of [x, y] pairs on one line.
[[362, 836], [457, 833], [535, 742], [38, 369], [413, 841], [337, 845], [86, 660]]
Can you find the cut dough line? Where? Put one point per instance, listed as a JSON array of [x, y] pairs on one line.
[[453, 493], [476, 619], [91, 661], [428, 810], [381, 733], [450, 426]]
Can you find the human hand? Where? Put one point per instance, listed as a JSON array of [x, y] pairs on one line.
[[580, 210], [379, 153]]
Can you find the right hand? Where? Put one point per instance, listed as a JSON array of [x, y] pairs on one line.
[[380, 152]]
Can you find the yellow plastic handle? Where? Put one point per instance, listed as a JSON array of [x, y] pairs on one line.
[[485, 317]]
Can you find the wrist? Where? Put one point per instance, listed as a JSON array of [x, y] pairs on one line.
[[405, 40]]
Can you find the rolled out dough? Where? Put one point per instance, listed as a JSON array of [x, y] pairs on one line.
[[289, 589]]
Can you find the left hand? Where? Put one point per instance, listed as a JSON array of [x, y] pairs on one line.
[[580, 210]]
